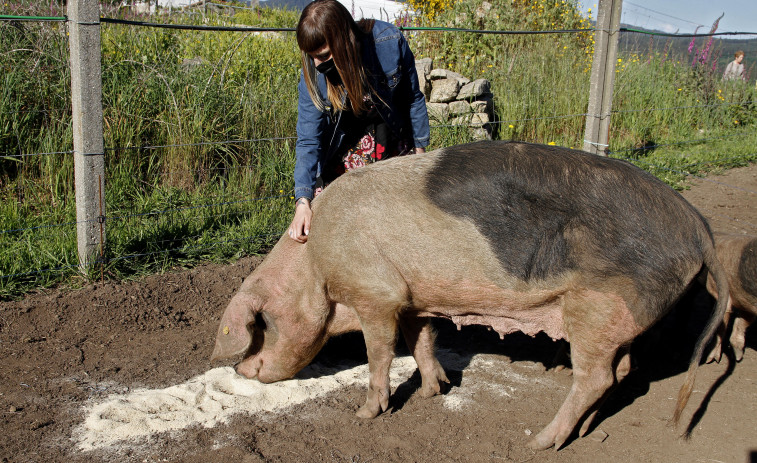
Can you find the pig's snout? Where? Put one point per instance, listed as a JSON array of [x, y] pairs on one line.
[[265, 369], [250, 367]]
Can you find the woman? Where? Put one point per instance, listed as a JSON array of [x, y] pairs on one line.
[[359, 101], [735, 70]]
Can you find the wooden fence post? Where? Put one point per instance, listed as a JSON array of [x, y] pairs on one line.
[[87, 121], [597, 131]]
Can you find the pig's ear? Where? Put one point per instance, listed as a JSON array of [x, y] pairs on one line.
[[234, 333]]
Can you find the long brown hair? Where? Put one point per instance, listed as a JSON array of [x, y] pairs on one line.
[[327, 22]]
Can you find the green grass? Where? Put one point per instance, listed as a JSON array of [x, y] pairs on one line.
[[178, 192]]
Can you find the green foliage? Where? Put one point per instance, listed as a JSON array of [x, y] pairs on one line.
[[533, 77], [709, 152], [475, 54], [430, 9], [176, 189]]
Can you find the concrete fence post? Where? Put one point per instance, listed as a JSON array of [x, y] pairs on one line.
[[87, 120], [597, 131]]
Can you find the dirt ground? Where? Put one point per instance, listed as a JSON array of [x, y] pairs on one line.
[[62, 350]]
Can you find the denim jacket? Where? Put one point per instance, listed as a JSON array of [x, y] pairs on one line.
[[390, 67]]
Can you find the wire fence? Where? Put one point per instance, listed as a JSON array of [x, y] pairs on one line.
[[190, 224]]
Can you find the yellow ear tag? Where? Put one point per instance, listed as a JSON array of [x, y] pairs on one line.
[[226, 330]]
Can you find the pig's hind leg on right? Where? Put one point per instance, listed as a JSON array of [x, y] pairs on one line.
[[598, 327], [741, 322]]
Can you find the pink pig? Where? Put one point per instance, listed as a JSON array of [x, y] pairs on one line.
[[516, 236]]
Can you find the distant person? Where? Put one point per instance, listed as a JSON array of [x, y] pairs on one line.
[[735, 70]]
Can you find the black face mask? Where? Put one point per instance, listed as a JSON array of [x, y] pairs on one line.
[[328, 69]]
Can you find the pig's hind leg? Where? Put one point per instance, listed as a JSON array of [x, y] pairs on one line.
[[716, 352], [592, 377], [597, 327], [419, 336], [741, 322], [621, 371]]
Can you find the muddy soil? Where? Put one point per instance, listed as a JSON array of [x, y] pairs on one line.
[[64, 349]]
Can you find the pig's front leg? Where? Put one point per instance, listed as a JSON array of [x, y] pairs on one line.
[[419, 336], [380, 337]]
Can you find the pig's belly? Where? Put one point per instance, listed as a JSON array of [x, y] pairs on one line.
[[506, 311]]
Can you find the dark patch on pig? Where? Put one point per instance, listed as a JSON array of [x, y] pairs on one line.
[[545, 210], [748, 268]]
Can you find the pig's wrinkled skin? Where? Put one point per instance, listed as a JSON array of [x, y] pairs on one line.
[[515, 236], [738, 254]]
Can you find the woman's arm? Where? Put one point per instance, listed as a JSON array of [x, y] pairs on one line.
[[310, 126], [299, 229], [418, 111], [311, 123]]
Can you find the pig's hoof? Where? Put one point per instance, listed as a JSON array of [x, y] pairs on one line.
[[738, 347], [546, 439], [432, 387], [715, 354], [430, 390], [367, 412], [540, 443]]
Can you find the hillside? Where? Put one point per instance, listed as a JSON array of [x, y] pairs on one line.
[[285, 4], [722, 48]]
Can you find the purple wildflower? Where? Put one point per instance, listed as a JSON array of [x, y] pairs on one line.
[[665, 52], [715, 60], [693, 39], [706, 52]]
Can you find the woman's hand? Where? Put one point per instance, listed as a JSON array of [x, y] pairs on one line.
[[300, 226]]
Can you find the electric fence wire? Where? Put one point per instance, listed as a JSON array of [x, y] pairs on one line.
[[616, 153], [255, 140], [441, 29], [186, 249], [37, 111], [148, 214], [266, 237], [677, 143]]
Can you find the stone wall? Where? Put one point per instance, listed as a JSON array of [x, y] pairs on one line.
[[453, 99]]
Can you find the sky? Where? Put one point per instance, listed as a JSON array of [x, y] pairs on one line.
[[683, 16]]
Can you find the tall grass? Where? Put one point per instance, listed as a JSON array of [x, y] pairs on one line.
[[198, 155], [199, 126]]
